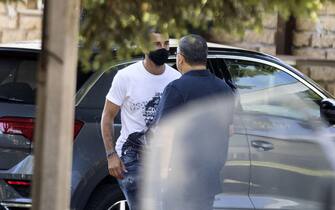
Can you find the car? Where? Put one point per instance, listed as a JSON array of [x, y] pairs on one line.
[[257, 158]]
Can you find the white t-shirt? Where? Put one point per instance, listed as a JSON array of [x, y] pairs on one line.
[[138, 93]]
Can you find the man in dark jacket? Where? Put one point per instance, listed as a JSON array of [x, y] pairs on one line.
[[196, 82], [203, 155]]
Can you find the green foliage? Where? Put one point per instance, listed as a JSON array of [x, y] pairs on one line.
[[124, 24]]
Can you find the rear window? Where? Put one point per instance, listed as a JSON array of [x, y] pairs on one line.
[[17, 79], [18, 73]]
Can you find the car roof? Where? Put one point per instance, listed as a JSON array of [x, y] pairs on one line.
[[174, 43], [37, 45], [32, 45]]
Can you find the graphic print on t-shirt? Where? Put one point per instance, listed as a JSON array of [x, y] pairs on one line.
[[148, 108], [135, 139], [151, 108]]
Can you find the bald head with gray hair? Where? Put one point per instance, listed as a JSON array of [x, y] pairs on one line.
[[194, 49]]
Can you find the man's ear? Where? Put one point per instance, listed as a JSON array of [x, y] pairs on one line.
[[179, 62], [181, 59]]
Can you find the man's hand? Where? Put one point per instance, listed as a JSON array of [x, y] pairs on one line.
[[116, 167]]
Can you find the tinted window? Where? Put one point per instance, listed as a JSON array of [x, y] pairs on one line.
[[18, 72], [269, 90], [18, 79], [96, 88]]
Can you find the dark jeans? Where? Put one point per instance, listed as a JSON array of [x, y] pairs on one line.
[[129, 184]]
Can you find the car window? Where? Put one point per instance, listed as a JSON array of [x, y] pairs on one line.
[[18, 77], [93, 92], [269, 90]]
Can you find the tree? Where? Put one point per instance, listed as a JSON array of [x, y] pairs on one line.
[[123, 24]]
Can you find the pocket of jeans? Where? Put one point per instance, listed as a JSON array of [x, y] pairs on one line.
[[129, 158]]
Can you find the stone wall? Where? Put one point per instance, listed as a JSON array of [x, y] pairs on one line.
[[316, 39], [263, 40], [311, 39], [20, 21]]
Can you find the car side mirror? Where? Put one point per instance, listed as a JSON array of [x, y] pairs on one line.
[[327, 110]]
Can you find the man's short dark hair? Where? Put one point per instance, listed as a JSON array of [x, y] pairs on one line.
[[154, 31], [194, 49]]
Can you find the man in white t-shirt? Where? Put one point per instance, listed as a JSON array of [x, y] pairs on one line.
[[136, 91]]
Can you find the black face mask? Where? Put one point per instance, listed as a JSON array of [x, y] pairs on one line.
[[159, 57]]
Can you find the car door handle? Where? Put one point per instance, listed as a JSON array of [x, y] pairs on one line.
[[262, 145]]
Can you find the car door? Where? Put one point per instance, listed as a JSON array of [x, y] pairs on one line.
[[235, 175], [289, 169]]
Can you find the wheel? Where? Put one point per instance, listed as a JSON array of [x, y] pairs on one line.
[[3, 208], [107, 197]]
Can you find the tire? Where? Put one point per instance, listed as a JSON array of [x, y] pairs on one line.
[[107, 197]]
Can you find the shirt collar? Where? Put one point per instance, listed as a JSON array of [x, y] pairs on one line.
[[200, 73]]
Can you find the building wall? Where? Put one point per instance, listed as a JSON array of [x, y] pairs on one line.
[[311, 39], [316, 39], [263, 40], [20, 21]]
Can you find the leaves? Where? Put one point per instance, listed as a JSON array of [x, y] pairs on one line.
[[124, 24]]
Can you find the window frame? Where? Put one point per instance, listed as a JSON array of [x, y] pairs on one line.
[[291, 73], [279, 67]]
